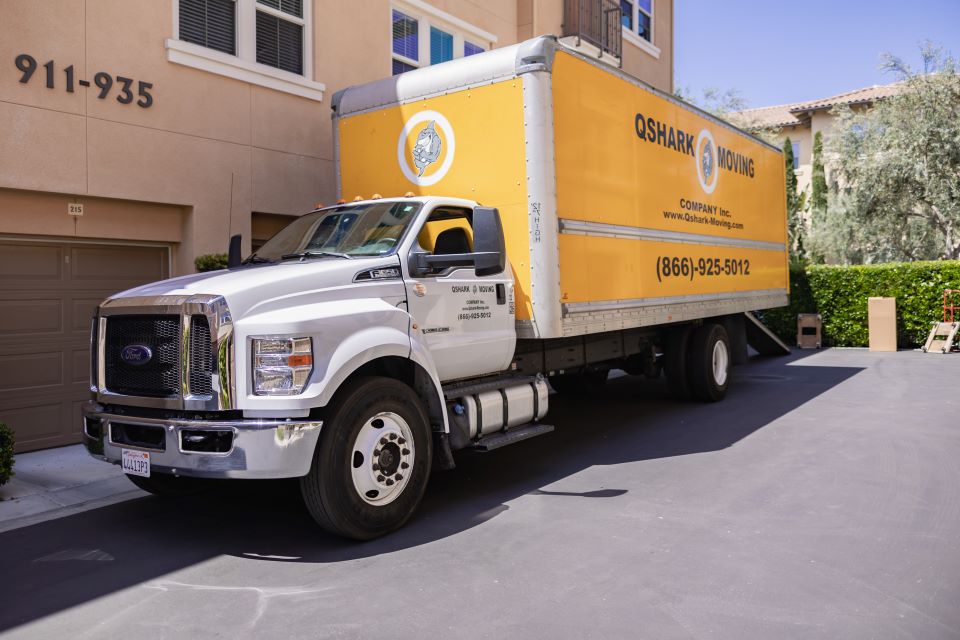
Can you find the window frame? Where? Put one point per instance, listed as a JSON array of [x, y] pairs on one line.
[[428, 17], [631, 35], [243, 65]]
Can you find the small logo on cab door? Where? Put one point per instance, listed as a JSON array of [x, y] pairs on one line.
[[136, 354]]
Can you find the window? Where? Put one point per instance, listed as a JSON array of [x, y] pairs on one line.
[[470, 49], [636, 17], [626, 14], [796, 155], [405, 37], [263, 42], [441, 46], [424, 35], [645, 19], [279, 43], [209, 23]]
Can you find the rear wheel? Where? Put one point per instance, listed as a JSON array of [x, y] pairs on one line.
[[372, 462], [675, 347], [169, 486], [708, 363]]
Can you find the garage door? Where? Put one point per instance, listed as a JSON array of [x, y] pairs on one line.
[[48, 293]]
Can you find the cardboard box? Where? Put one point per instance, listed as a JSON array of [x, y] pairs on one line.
[[882, 322], [809, 328]]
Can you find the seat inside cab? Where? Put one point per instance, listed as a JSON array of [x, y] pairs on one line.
[[447, 232]]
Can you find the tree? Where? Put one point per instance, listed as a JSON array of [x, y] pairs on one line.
[[818, 178], [794, 221], [898, 170], [719, 102]]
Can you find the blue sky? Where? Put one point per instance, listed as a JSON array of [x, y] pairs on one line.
[[782, 51]]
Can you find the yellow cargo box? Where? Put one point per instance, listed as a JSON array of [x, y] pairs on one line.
[[622, 206]]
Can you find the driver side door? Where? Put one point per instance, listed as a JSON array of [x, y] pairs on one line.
[[465, 320]]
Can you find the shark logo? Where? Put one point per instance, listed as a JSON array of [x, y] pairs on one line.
[[706, 161], [428, 147], [433, 145]]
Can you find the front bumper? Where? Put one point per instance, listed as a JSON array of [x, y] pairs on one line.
[[258, 448]]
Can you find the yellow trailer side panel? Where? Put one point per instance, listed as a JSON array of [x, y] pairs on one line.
[[628, 269], [481, 157], [629, 160]]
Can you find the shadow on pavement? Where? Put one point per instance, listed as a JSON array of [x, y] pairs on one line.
[[55, 565]]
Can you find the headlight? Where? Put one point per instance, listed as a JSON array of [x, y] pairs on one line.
[[281, 366]]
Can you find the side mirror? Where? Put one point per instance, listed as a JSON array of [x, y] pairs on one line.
[[233, 255], [488, 243], [489, 256]]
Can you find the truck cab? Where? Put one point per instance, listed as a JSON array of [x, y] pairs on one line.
[[233, 374]]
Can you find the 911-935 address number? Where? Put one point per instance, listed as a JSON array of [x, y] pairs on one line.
[[27, 65]]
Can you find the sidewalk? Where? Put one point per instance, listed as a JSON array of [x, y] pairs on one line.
[[59, 482]]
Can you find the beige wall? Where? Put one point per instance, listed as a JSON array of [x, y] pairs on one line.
[[211, 150]]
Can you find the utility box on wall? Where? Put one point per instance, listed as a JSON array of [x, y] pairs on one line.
[[882, 323]]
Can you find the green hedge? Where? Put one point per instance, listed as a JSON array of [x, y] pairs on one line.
[[211, 262], [6, 453], [839, 294]]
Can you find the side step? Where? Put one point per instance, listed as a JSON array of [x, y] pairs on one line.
[[942, 337], [762, 339], [511, 436]]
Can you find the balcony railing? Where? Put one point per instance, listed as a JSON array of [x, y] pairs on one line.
[[595, 22]]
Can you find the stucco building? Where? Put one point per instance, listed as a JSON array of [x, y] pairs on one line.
[[801, 121], [139, 134]]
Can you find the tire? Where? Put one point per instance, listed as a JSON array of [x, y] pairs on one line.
[[675, 348], [586, 381], [708, 363], [371, 422], [169, 486]]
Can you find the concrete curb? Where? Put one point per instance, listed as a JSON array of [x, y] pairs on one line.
[[56, 483]]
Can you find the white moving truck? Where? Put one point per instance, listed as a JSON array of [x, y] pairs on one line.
[[548, 217]]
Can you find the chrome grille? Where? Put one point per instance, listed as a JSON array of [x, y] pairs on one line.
[[201, 356], [160, 376]]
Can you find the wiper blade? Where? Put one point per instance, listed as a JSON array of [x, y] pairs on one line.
[[255, 259], [313, 254]]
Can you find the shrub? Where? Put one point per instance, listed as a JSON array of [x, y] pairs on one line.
[[839, 294], [6, 453], [211, 262]]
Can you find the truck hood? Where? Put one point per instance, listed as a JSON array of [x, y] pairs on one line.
[[259, 288]]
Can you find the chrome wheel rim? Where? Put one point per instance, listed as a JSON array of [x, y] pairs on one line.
[[381, 459], [721, 362]]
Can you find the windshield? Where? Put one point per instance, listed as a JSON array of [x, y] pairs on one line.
[[369, 229]]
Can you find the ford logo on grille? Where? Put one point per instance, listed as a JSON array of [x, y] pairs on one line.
[[136, 354]]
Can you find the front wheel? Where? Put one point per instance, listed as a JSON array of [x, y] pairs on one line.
[[372, 462], [708, 363]]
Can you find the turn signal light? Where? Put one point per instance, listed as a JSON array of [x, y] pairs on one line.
[[300, 360]]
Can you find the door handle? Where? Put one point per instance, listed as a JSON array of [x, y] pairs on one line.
[[501, 293]]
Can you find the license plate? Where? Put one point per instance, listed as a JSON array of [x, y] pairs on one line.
[[136, 463]]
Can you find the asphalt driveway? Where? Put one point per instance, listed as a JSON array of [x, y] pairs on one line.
[[821, 499]]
